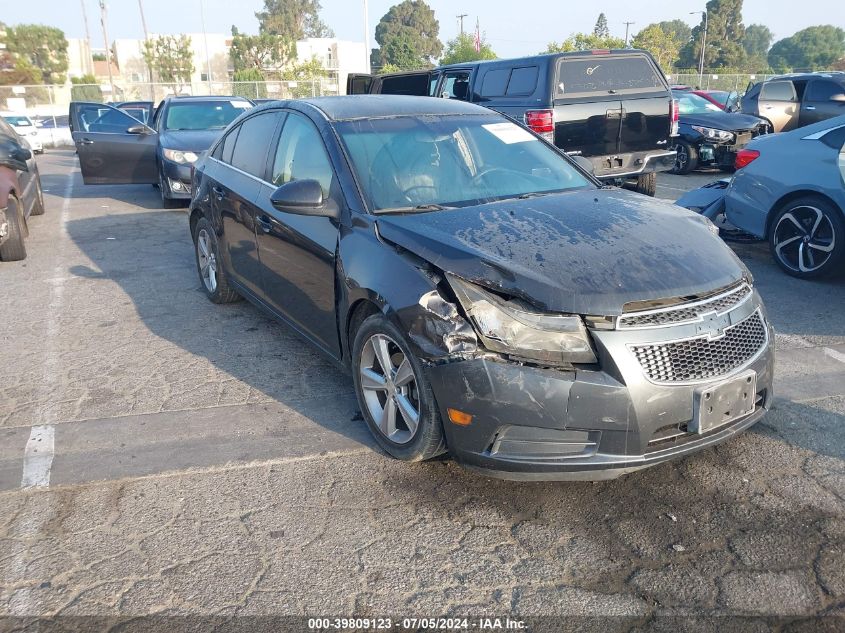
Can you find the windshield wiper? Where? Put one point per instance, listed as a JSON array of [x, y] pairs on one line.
[[420, 208], [534, 194]]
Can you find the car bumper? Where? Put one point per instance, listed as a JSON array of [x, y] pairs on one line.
[[178, 179], [632, 164], [539, 423]]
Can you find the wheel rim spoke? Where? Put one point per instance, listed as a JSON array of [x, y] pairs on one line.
[[798, 225], [819, 218], [203, 244], [409, 413], [380, 347], [781, 245], [388, 418], [373, 381], [405, 373]]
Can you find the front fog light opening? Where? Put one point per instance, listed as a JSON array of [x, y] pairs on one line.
[[178, 186]]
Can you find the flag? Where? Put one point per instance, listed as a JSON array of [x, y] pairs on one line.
[[477, 37]]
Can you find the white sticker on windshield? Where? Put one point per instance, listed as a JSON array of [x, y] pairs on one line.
[[243, 105], [509, 132]]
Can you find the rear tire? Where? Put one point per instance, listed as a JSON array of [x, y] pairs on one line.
[[807, 238], [409, 426], [687, 159], [14, 249], [647, 184], [213, 278], [38, 207]]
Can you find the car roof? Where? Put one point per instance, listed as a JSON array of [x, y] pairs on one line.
[[190, 98], [345, 107], [547, 57]]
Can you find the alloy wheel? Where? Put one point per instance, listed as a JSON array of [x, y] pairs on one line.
[[389, 387], [682, 158], [804, 239], [207, 260]]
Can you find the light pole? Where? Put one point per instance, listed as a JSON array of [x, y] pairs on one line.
[[205, 38], [627, 26], [89, 62], [367, 38], [104, 22], [703, 48]]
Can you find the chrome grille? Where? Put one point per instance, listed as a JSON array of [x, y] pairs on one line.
[[687, 312], [701, 358]]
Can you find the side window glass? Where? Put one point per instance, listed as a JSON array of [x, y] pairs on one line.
[[778, 91], [494, 82], [301, 154], [228, 145], [523, 81], [455, 86], [250, 153], [98, 118], [823, 90]]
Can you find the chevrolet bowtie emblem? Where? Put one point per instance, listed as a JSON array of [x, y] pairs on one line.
[[714, 325]]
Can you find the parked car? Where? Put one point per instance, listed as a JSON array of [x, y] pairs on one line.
[[54, 131], [792, 101], [709, 135], [612, 107], [488, 295], [727, 100], [116, 148], [26, 128], [20, 193]]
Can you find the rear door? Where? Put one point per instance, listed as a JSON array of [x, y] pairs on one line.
[[416, 84], [108, 152], [819, 103], [358, 84], [778, 102]]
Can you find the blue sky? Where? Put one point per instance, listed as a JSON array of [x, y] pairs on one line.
[[512, 28]]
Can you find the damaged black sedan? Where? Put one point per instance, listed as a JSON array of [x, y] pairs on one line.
[[490, 298]]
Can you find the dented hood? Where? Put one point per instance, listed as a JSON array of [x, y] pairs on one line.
[[584, 252]]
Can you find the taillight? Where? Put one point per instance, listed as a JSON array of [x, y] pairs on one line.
[[675, 113], [745, 157], [542, 122]]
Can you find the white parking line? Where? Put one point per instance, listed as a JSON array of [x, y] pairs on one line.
[[834, 354], [38, 457]]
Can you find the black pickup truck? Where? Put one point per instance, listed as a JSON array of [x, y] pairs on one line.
[[613, 107]]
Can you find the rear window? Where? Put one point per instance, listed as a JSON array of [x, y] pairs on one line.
[[778, 91], [598, 74], [495, 82], [523, 81], [252, 143]]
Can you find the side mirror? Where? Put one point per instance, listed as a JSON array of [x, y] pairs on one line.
[[22, 154], [138, 129], [585, 164], [302, 197], [840, 98]]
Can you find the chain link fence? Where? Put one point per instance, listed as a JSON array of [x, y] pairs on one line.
[[712, 81]]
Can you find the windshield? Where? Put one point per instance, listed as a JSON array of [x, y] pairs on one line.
[[17, 121], [451, 161], [689, 103], [203, 115]]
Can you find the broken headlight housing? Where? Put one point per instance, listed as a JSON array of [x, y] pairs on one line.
[[510, 328], [713, 134]]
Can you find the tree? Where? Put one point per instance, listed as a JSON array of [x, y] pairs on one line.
[[756, 42], [306, 75], [584, 42], [264, 52], [41, 47], [169, 58], [725, 33], [292, 19], [85, 88], [660, 44], [462, 49], [408, 35], [249, 83], [678, 30], [600, 29], [813, 48]]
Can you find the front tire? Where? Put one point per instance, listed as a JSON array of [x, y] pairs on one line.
[[393, 393], [807, 238], [14, 248], [687, 158], [212, 275]]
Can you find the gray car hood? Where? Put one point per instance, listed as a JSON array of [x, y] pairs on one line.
[[584, 252]]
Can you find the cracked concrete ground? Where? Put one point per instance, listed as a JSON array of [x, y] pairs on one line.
[[209, 462]]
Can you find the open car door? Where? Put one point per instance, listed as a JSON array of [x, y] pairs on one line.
[[141, 110], [358, 84], [113, 147], [406, 83]]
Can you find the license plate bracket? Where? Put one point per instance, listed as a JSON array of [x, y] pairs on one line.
[[723, 403]]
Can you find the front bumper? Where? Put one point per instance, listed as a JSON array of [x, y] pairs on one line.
[[539, 423], [177, 179], [632, 164]]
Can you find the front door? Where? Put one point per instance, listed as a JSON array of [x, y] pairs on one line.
[[778, 103], [113, 147], [297, 252]]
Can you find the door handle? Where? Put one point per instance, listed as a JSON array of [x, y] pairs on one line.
[[86, 141], [809, 107], [264, 223], [218, 192]]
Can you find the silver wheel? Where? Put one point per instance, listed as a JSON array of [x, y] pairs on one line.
[[207, 260], [682, 157], [804, 239], [389, 387]]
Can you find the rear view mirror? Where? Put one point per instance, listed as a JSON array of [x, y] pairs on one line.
[[138, 129], [585, 164], [302, 197]]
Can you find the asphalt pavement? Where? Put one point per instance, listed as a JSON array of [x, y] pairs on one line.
[[161, 454]]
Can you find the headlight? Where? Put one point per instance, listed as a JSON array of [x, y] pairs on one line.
[[713, 134], [178, 156], [508, 328]]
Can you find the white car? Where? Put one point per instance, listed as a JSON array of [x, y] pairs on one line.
[[26, 128]]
